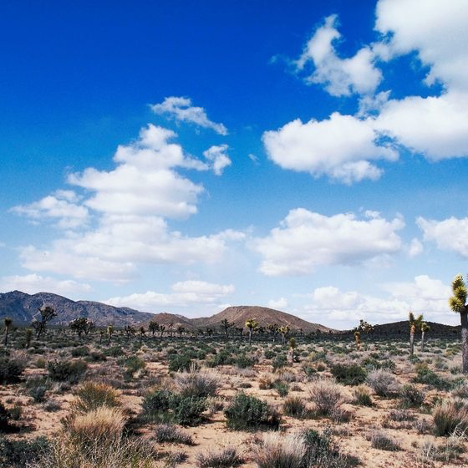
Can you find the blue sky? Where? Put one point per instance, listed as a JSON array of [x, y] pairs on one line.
[[185, 156]]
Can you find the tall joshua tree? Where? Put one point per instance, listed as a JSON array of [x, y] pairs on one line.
[[226, 325], [458, 304], [251, 325], [47, 314], [8, 322], [424, 328], [414, 322]]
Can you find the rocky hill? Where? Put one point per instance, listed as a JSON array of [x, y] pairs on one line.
[[263, 315]]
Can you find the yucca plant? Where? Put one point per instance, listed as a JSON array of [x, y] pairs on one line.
[[251, 325], [414, 322], [424, 328], [458, 304]]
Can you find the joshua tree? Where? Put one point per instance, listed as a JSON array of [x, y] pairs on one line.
[[273, 329], [142, 334], [414, 322], [251, 325], [161, 329], [357, 338], [129, 331], [226, 325], [283, 331], [47, 314], [153, 327], [180, 331], [424, 328], [458, 304], [110, 331], [8, 322], [81, 325], [29, 334], [292, 350]]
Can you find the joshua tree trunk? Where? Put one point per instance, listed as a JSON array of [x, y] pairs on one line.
[[422, 340], [250, 337], [464, 334], [412, 340], [5, 338]]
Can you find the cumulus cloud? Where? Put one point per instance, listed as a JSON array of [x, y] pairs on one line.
[[34, 283], [415, 248], [340, 77], [435, 30], [61, 206], [345, 308], [130, 204], [181, 109], [449, 234], [340, 147], [184, 294], [217, 157], [305, 240]]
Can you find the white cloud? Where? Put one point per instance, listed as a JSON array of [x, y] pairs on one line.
[[61, 206], [144, 181], [449, 234], [218, 158], [305, 240], [184, 294], [34, 283], [436, 127], [340, 147], [340, 77], [279, 304], [415, 248], [129, 206], [424, 295], [181, 109], [435, 30]]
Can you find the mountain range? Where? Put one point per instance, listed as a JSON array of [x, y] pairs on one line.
[[23, 309]]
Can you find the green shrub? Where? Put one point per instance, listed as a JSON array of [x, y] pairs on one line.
[[22, 453], [243, 361], [295, 407], [66, 371], [362, 397], [411, 397], [81, 351], [187, 411], [180, 362], [281, 387], [429, 377], [450, 416], [10, 370], [349, 374], [133, 364], [247, 413], [92, 395], [279, 362]]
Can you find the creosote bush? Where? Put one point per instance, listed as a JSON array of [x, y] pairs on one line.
[[349, 374], [327, 397], [67, 371], [248, 413], [10, 370]]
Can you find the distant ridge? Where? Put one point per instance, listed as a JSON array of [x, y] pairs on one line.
[[22, 308]]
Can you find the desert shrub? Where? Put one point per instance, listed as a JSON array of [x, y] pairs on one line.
[[15, 412], [382, 382], [66, 371], [411, 397], [114, 351], [92, 395], [279, 362], [244, 361], [321, 452], [265, 382], [220, 359], [349, 374], [280, 451], [96, 439], [247, 412], [327, 397], [309, 370], [96, 356], [22, 453], [80, 351], [224, 458], [362, 396], [37, 389], [133, 364], [188, 411], [195, 383], [448, 416], [400, 415], [461, 391], [10, 370], [166, 406], [180, 362], [282, 388], [269, 354], [170, 433], [382, 441], [295, 407], [424, 375]]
